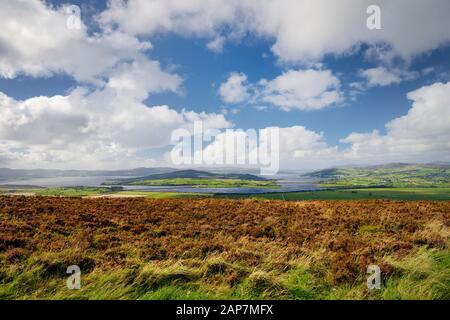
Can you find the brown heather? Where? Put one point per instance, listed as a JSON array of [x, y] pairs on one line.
[[229, 242]]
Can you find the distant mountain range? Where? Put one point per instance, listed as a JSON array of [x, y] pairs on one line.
[[157, 173], [12, 174], [214, 172], [188, 174]]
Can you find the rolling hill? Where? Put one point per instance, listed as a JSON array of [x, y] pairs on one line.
[[389, 175], [197, 178]]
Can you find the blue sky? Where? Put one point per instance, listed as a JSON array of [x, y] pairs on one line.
[[204, 71], [183, 73]]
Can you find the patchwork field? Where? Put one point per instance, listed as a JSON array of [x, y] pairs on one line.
[[400, 175], [209, 248]]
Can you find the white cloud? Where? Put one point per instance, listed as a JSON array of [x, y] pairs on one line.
[[36, 41], [104, 125], [216, 45], [423, 134], [302, 30], [298, 146], [235, 89], [105, 128], [294, 89], [381, 76], [303, 148], [140, 77], [189, 17], [108, 124], [302, 89], [41, 120]]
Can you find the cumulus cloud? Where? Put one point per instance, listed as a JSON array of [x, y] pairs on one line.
[[89, 129], [382, 76], [297, 146], [41, 120], [35, 41], [294, 89], [302, 30], [423, 134], [140, 77], [235, 89], [303, 148], [189, 17], [103, 122], [302, 89], [216, 45]]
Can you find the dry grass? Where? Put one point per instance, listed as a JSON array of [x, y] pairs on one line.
[[211, 248]]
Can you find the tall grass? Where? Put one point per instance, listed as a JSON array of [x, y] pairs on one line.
[[423, 275]]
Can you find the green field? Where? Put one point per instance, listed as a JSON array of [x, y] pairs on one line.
[[344, 194], [103, 191], [397, 176], [358, 194], [68, 192], [208, 183], [391, 182]]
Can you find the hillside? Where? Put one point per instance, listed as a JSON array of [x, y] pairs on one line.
[[390, 175], [195, 177], [222, 249]]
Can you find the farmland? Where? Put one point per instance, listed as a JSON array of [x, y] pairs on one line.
[[391, 175], [197, 179], [222, 249], [101, 192], [207, 183], [440, 194], [358, 194]]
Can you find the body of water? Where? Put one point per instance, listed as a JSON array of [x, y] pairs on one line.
[[54, 182], [288, 183]]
